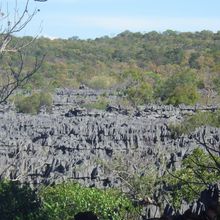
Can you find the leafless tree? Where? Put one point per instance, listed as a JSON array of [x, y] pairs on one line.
[[14, 75]]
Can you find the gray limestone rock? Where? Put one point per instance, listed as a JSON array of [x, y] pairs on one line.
[[75, 143]]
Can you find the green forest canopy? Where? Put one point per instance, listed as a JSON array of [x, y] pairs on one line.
[[146, 63]]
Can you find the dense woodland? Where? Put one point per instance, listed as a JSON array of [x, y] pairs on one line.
[[171, 67]]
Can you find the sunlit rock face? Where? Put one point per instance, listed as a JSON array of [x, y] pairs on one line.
[[74, 143]]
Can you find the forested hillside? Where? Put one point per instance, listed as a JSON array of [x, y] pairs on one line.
[[171, 67]]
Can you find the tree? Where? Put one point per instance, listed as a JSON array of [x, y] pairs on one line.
[[139, 88], [179, 88], [201, 169], [13, 73]]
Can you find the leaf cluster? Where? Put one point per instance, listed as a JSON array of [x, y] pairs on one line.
[[18, 201], [199, 170], [67, 199]]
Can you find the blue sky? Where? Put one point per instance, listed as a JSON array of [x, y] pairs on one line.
[[95, 18]]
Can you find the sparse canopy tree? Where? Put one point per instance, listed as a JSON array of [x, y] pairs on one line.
[[13, 73]]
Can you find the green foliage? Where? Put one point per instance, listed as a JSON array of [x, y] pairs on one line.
[[186, 94], [179, 88], [101, 81], [190, 123], [174, 55], [140, 86], [193, 61], [216, 82], [100, 104], [198, 171], [137, 183], [100, 63], [18, 202], [67, 199], [32, 104], [141, 185], [37, 81], [139, 94]]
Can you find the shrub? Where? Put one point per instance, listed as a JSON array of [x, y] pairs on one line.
[[179, 88], [139, 95], [101, 81], [64, 201], [216, 82], [138, 183], [18, 201], [100, 104], [32, 104], [140, 86], [186, 94], [197, 120]]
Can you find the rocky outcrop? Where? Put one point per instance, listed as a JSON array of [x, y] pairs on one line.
[[74, 143], [70, 142]]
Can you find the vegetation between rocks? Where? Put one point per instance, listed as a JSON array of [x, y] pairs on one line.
[[66, 200], [18, 201], [199, 171], [190, 123], [63, 201], [33, 103]]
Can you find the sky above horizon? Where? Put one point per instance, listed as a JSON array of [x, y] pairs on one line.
[[96, 18]]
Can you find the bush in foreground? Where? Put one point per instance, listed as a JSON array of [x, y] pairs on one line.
[[65, 200], [199, 170], [18, 202]]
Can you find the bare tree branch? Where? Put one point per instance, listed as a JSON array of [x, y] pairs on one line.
[[18, 79], [15, 75], [14, 27], [209, 150], [188, 183]]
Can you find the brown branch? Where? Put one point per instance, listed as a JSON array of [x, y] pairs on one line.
[[17, 26], [205, 166], [209, 150], [19, 79]]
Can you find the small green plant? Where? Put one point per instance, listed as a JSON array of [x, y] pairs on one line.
[[216, 82], [140, 86], [186, 94], [32, 104], [138, 183], [67, 199]]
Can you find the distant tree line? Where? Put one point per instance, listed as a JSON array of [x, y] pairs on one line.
[[151, 65]]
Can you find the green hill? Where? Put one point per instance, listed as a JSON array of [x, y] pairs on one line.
[[174, 67]]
